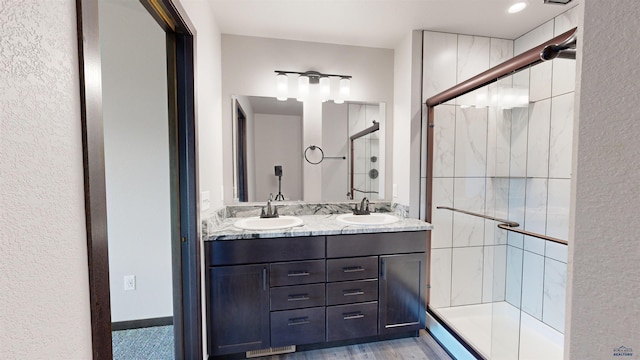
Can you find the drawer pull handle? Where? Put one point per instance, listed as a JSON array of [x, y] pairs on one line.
[[352, 292], [298, 273], [353, 316], [298, 297], [352, 269], [298, 321]]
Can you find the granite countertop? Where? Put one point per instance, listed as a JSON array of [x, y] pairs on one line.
[[325, 224]]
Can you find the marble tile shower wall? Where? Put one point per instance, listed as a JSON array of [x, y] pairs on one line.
[[513, 164]]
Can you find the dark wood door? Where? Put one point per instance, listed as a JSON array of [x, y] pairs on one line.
[[238, 309], [400, 285]]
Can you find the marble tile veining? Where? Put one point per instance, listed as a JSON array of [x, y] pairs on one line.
[[319, 219], [466, 276], [555, 287]]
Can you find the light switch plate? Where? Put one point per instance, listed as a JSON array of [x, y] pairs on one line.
[[205, 201], [395, 190], [129, 282]]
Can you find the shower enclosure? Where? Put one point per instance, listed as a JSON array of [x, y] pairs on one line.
[[498, 178], [365, 156]]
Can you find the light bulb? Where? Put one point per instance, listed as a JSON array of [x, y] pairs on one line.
[[325, 88], [282, 87], [345, 88], [303, 87]]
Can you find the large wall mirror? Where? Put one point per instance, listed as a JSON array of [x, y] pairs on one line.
[[270, 155]]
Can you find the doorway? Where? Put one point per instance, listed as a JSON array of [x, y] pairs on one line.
[[180, 180]]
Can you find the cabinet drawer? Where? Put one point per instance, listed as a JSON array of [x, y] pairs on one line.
[[352, 321], [376, 244], [296, 273], [349, 292], [352, 268], [248, 251], [296, 327], [296, 297]]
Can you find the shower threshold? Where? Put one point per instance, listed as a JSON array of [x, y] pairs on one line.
[[515, 334]]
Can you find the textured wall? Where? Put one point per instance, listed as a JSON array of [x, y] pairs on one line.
[[44, 294], [603, 307]]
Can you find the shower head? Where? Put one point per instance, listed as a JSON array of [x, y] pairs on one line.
[[565, 49]]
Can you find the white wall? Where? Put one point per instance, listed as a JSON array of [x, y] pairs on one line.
[[603, 292], [208, 99], [335, 142], [248, 65], [285, 153], [44, 289], [402, 119], [136, 136]]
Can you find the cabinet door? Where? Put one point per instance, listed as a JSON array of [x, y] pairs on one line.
[[238, 309], [400, 285]]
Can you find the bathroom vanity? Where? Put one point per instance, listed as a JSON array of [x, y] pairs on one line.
[[319, 284]]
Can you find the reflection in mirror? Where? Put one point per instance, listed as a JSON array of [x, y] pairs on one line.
[[268, 133], [365, 147]]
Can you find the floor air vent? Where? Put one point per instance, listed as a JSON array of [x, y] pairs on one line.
[[271, 351]]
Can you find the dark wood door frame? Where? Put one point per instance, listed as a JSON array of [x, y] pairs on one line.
[[183, 157], [241, 150]]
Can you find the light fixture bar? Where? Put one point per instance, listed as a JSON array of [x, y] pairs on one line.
[[313, 74], [305, 79]]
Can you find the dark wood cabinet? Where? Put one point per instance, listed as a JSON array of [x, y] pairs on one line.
[[276, 292], [400, 287], [238, 309]]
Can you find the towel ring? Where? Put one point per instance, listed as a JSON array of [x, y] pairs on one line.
[[313, 147]]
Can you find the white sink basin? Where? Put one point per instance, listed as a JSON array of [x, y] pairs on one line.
[[367, 220], [257, 223]]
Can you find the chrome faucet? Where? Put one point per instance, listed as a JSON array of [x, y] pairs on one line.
[[270, 212], [364, 208]]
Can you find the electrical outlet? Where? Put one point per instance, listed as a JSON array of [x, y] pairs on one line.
[[205, 201], [129, 282]]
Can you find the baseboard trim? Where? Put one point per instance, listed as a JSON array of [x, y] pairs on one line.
[[142, 323]]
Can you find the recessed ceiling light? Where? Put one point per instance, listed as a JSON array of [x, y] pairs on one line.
[[517, 7]]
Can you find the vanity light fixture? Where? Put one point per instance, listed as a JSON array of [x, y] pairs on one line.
[[307, 78]]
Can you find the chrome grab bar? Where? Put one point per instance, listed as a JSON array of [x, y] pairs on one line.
[[508, 225], [536, 235]]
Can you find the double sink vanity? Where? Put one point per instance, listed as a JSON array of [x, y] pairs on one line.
[[316, 276]]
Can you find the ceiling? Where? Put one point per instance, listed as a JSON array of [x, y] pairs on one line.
[[376, 23]]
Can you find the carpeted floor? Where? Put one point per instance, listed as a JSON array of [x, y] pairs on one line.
[[146, 343]]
